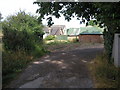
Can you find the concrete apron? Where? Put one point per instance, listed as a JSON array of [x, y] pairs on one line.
[[72, 82]]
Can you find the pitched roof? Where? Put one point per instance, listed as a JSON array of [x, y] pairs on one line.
[[46, 29], [91, 30], [58, 26], [55, 29]]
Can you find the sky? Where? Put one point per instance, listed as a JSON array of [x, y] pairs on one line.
[[10, 7]]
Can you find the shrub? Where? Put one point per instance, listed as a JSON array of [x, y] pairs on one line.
[[22, 42], [21, 31], [39, 51], [50, 37], [108, 43], [75, 40]]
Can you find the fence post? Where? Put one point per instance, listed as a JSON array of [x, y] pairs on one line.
[[116, 50]]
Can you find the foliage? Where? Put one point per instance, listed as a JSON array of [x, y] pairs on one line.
[[75, 40], [92, 22], [21, 31], [105, 75], [99, 11], [22, 43], [12, 63], [108, 43], [106, 14], [109, 17], [50, 37]]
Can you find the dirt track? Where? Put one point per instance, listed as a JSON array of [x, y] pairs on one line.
[[63, 68]]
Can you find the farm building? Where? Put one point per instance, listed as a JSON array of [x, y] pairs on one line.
[[91, 34], [54, 30], [83, 34], [73, 33]]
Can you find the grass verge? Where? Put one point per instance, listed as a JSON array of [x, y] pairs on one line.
[[105, 75], [14, 62]]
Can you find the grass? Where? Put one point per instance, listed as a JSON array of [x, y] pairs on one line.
[[58, 42], [60, 45], [13, 63], [105, 75], [50, 37], [67, 45]]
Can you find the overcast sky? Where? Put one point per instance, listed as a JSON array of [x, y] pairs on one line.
[[10, 7]]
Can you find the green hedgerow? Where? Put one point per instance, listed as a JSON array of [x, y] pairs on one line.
[[50, 37]]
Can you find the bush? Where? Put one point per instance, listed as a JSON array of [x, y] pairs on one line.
[[22, 42], [50, 37], [39, 51], [108, 43], [75, 40], [21, 31]]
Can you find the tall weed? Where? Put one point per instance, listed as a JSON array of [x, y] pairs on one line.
[[13, 63], [105, 74]]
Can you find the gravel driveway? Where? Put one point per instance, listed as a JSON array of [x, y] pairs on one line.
[[63, 68]]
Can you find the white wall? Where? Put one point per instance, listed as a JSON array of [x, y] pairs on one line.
[[116, 50], [65, 31], [45, 35]]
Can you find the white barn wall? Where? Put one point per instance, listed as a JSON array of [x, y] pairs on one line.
[[116, 50]]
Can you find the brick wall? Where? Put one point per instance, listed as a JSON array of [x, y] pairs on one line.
[[90, 38]]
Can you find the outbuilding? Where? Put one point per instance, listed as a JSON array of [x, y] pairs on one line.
[[72, 33], [91, 34]]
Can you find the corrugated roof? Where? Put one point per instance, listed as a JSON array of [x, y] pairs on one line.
[[91, 30], [73, 31]]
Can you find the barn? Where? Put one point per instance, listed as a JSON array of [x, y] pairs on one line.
[[91, 34], [72, 33], [54, 30]]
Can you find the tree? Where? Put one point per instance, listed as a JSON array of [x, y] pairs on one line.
[[106, 14], [21, 31], [92, 22], [100, 11]]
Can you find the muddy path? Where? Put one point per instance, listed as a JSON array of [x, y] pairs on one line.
[[64, 68]]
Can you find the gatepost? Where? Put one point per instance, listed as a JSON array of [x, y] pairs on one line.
[[116, 50]]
